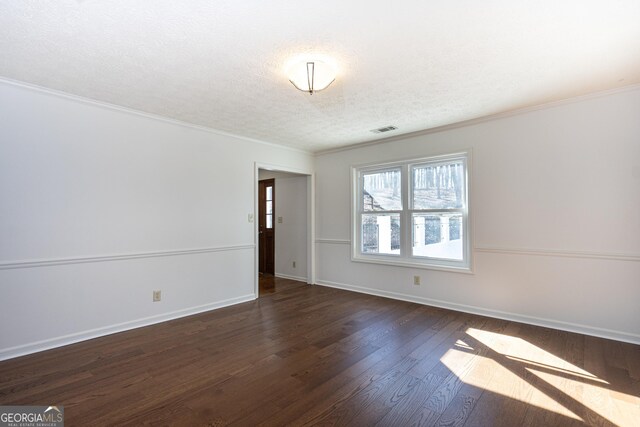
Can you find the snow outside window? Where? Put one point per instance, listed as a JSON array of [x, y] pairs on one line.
[[413, 213]]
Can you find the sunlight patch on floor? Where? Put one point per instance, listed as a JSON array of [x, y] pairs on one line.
[[593, 396], [560, 371], [537, 377], [490, 375], [518, 349]]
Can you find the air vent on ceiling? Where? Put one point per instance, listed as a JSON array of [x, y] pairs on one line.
[[384, 129]]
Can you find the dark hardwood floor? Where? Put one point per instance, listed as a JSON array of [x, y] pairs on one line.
[[270, 284], [320, 356]]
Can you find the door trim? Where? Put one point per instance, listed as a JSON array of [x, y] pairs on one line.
[[311, 223]]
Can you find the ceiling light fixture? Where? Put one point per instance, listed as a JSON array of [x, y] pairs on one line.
[[311, 75]]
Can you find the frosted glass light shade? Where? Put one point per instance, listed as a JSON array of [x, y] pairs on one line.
[[311, 75]]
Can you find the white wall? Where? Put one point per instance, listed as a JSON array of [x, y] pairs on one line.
[[99, 207], [291, 234], [555, 207]]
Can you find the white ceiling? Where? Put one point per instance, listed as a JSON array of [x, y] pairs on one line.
[[412, 64]]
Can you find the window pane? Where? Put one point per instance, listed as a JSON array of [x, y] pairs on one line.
[[269, 221], [269, 207], [269, 193], [381, 234], [438, 186], [382, 191], [437, 236]]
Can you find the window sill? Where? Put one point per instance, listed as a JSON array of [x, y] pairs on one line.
[[409, 264]]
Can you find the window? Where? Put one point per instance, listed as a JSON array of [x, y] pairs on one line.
[[269, 206], [413, 213]]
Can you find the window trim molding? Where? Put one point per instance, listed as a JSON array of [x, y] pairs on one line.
[[407, 260]]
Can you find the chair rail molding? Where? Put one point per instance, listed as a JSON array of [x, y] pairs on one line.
[[118, 257]]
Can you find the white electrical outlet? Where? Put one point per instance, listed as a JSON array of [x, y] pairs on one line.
[[157, 296], [416, 280], [294, 264], [279, 220]]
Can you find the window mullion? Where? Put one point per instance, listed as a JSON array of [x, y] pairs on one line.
[[405, 223]]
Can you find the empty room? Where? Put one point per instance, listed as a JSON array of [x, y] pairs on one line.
[[277, 213]]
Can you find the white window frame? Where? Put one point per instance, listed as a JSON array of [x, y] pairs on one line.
[[405, 258]]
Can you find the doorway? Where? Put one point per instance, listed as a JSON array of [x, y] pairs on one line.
[[266, 227], [284, 232]]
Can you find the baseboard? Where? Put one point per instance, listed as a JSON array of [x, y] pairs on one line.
[[532, 320], [22, 350], [287, 276]]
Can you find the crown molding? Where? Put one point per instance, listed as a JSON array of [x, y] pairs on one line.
[[456, 125], [119, 108], [483, 119]]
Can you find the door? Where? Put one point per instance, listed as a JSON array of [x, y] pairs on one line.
[[266, 226]]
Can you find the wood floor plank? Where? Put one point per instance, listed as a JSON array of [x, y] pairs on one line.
[[477, 377], [313, 355], [350, 381], [403, 412], [505, 396], [347, 411]]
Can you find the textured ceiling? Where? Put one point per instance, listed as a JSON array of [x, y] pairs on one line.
[[412, 64]]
